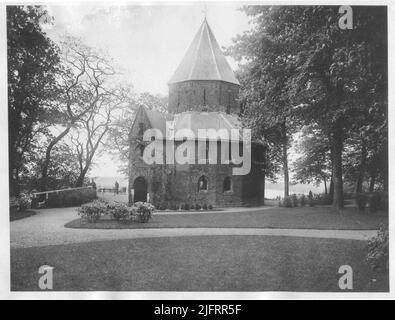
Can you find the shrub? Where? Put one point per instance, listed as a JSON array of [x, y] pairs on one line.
[[310, 199], [362, 200], [321, 199], [143, 211], [173, 206], [210, 207], [198, 207], [287, 202], [205, 206], [23, 201], [92, 211], [294, 200], [119, 211], [192, 207], [377, 255], [163, 206], [375, 202], [186, 206], [302, 200]]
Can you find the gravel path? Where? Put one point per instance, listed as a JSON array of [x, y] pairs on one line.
[[47, 228]]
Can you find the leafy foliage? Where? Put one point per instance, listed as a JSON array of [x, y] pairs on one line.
[[314, 165], [23, 201], [33, 60], [139, 211], [300, 68], [92, 211], [378, 251], [144, 211]]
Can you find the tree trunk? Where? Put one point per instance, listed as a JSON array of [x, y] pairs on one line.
[[14, 182], [326, 188], [285, 159], [81, 177], [331, 185], [337, 150], [331, 189], [362, 167], [44, 170], [372, 182]]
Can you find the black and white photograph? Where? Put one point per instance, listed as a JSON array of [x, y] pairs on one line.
[[196, 147]]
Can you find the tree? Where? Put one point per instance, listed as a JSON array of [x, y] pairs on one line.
[[83, 81], [117, 142], [91, 133], [314, 165], [341, 74], [62, 170], [267, 110], [32, 64], [334, 75]]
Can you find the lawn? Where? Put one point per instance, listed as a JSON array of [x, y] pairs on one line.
[[213, 263], [276, 217], [17, 215]]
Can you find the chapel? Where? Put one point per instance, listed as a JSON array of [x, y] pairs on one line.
[[203, 94]]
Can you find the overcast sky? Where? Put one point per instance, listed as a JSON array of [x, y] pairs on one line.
[[147, 41]]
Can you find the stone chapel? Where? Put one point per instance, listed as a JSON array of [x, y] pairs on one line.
[[203, 94]]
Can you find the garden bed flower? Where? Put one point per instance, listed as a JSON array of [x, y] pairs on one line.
[[93, 211]]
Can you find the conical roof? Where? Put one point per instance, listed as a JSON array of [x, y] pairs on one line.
[[204, 60]]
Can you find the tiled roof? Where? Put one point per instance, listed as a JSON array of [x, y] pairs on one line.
[[204, 60], [193, 121], [158, 119]]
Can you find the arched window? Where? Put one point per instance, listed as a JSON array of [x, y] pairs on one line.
[[227, 184], [202, 183]]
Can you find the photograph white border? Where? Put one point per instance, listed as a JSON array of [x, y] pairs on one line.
[[5, 292]]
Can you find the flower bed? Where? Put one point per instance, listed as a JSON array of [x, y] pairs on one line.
[[138, 212], [185, 207]]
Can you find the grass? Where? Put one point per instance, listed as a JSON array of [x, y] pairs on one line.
[[213, 263], [295, 218], [17, 215]]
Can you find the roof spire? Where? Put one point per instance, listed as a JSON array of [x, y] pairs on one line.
[[204, 60]]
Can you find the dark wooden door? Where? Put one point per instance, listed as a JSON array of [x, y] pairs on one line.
[[140, 189]]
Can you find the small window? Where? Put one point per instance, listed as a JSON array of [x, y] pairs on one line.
[[202, 184], [227, 184]]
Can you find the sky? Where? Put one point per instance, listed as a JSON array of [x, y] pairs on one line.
[[147, 42]]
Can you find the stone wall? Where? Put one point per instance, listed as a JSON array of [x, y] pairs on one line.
[[193, 95], [178, 184]]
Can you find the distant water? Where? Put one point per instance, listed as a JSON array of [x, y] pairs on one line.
[[109, 182], [272, 190]]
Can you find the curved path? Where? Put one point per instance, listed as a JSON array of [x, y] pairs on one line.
[[47, 228]]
